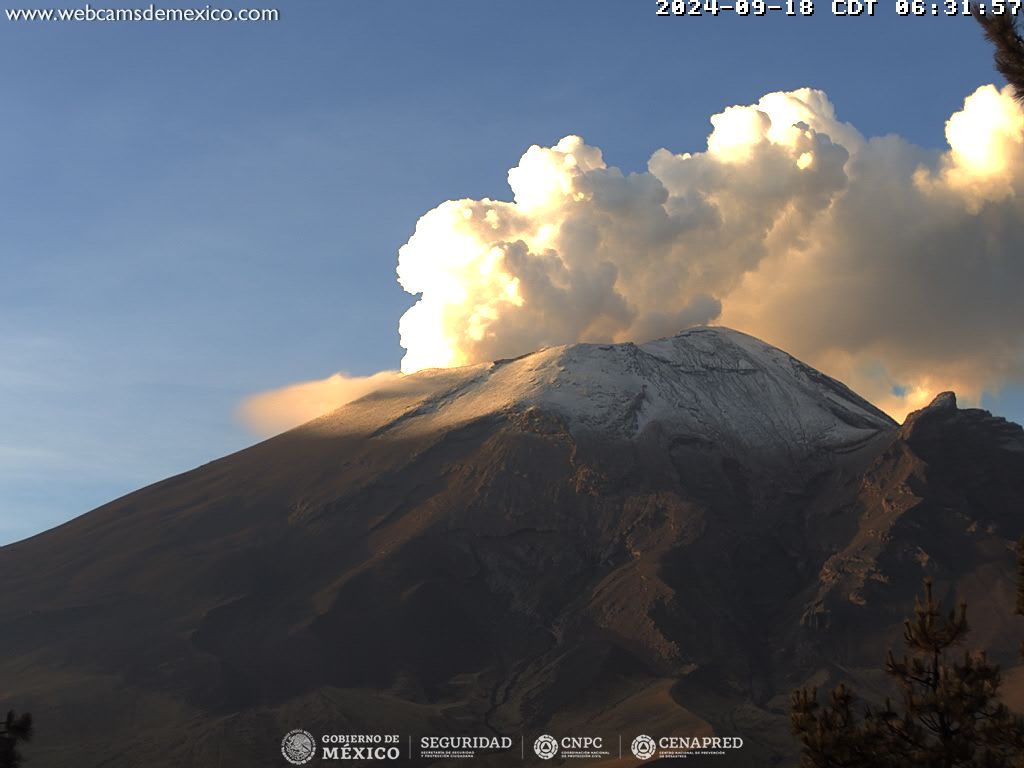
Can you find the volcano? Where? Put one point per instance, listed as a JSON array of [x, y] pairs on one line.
[[614, 540]]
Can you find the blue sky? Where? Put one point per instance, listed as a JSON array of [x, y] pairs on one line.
[[192, 213]]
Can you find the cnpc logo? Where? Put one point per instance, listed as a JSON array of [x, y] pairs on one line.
[[547, 746]]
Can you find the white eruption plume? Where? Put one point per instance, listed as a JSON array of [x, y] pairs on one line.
[[894, 268]]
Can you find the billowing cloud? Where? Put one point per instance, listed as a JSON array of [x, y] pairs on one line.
[[895, 268], [279, 409]]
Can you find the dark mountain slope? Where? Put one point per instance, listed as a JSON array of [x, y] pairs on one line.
[[661, 538]]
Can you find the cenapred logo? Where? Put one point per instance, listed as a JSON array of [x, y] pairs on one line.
[[298, 746], [643, 747], [546, 747]]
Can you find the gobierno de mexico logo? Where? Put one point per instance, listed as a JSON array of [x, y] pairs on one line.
[[298, 746]]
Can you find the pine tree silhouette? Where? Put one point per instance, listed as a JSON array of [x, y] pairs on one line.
[[14, 729], [1001, 31], [949, 714]]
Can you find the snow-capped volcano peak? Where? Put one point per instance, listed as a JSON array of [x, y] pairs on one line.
[[715, 384]]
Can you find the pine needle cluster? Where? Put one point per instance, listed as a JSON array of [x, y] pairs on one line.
[[1001, 31]]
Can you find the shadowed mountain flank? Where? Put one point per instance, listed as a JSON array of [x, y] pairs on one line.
[[665, 537]]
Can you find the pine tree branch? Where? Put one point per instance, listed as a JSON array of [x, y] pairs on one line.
[[1001, 31]]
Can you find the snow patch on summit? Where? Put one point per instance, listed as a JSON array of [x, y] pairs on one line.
[[710, 383]]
